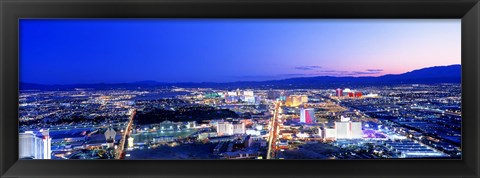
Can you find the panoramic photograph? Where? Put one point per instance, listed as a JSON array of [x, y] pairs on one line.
[[221, 89]]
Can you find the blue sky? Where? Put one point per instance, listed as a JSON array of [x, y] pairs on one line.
[[70, 51]]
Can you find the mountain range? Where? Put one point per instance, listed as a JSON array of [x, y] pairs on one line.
[[430, 75]]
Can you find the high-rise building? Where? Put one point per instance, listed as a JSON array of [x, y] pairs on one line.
[[304, 99], [291, 101], [339, 92], [28, 146], [130, 142], [358, 94], [238, 128], [295, 100], [350, 94], [307, 115], [36, 145], [330, 134], [248, 93], [343, 130], [238, 92], [110, 137], [346, 129], [356, 128], [224, 128]]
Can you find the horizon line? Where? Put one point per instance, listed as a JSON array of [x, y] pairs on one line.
[[158, 82]]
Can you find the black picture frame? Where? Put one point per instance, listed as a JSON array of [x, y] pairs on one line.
[[466, 10]]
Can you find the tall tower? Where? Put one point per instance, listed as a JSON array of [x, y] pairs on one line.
[[47, 144], [347, 129], [130, 142], [36, 145], [339, 92], [307, 115], [110, 137]]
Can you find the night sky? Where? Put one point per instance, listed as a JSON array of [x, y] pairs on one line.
[[68, 51]]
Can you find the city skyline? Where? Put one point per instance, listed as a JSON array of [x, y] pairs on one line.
[[206, 50], [169, 89], [436, 68]]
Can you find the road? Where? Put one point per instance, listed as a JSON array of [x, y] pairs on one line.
[[273, 134], [63, 128], [121, 145]]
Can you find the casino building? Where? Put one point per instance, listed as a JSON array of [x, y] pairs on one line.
[[307, 115], [35, 145]]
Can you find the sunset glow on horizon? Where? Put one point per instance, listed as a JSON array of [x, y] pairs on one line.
[[69, 51]]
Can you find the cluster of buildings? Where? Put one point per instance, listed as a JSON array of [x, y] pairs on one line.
[[429, 114], [347, 93], [59, 107], [280, 95], [236, 96], [409, 111], [344, 129], [240, 147], [230, 128]]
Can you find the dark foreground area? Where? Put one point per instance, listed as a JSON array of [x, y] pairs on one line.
[[184, 151]]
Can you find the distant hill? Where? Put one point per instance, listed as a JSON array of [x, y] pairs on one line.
[[438, 74], [430, 75]]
